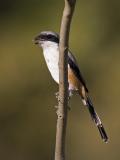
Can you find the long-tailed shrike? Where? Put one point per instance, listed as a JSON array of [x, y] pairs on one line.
[[49, 41]]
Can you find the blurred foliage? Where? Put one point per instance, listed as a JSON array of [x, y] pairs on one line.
[[27, 113]]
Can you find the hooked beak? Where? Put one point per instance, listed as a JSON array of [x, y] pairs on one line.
[[38, 40]]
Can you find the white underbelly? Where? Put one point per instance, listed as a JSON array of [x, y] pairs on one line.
[[52, 59]]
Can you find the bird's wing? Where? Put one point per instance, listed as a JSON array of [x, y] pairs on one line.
[[73, 65]]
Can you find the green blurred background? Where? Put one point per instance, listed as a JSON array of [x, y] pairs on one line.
[[27, 100]]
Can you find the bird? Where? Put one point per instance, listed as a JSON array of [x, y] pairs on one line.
[[49, 41]]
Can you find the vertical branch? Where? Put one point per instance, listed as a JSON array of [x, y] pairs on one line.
[[63, 80]]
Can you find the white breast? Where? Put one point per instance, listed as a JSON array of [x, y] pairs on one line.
[[51, 54]]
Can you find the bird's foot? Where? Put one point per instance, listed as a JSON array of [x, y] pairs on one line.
[[69, 96], [57, 94]]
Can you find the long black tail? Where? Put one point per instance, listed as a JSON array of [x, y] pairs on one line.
[[96, 119]]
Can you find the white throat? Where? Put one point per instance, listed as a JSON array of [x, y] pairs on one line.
[[51, 54]]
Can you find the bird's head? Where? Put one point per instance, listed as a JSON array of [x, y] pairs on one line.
[[47, 38]]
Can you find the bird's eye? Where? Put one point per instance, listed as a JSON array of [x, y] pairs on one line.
[[49, 36], [42, 36]]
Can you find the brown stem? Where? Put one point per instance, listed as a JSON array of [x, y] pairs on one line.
[[63, 80]]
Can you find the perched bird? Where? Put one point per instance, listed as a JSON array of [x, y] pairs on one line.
[[49, 41]]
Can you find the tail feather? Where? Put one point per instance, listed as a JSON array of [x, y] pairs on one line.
[[96, 119], [103, 133]]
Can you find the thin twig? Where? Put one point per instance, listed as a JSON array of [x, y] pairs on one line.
[[63, 80]]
